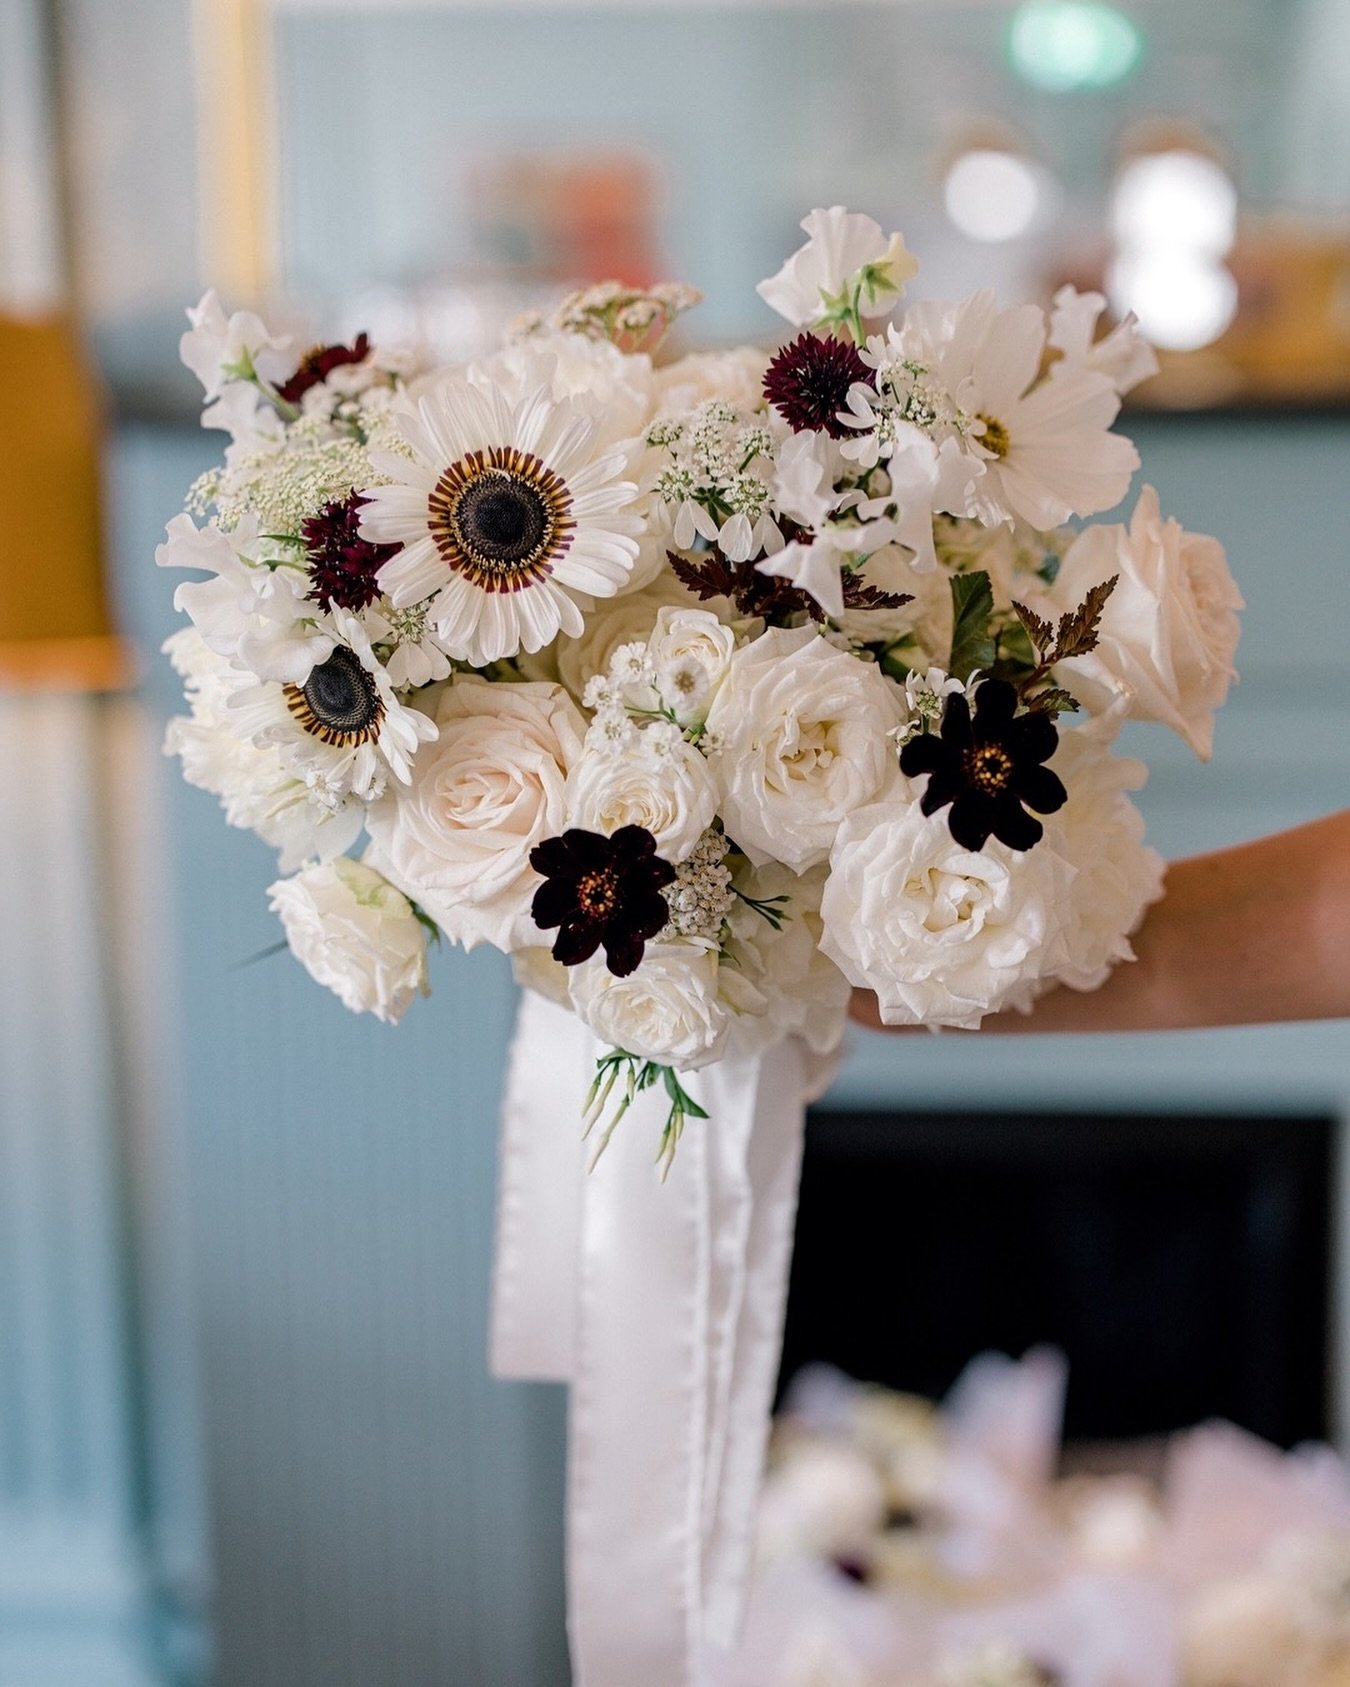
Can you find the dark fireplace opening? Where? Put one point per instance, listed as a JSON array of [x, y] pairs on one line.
[[1182, 1264]]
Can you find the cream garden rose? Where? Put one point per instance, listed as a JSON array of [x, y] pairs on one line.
[[1170, 630], [690, 652], [667, 791], [356, 934], [623, 620], [669, 1010], [458, 839], [801, 729], [941, 934]]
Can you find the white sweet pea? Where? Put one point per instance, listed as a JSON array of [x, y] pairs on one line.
[[353, 932], [458, 840], [816, 568], [846, 260], [1170, 629], [669, 1010], [943, 935], [257, 616], [1124, 356], [669, 792], [690, 651], [802, 731], [221, 349]]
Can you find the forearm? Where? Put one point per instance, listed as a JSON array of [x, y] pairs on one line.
[[1243, 936]]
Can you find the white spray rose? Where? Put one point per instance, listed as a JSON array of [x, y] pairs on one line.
[[1170, 629], [802, 731], [353, 932], [941, 934], [803, 991], [690, 652], [666, 788], [622, 620], [458, 838], [669, 1010]]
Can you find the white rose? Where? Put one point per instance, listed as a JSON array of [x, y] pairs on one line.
[[669, 1010], [942, 935], [804, 993], [356, 934], [1100, 832], [623, 620], [621, 384], [690, 652], [669, 792], [802, 735], [458, 838], [1170, 629], [736, 377]]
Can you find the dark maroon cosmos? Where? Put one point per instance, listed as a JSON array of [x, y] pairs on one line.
[[808, 382], [316, 365], [987, 767], [601, 890], [342, 565]]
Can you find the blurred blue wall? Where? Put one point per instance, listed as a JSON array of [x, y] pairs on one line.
[[381, 1512]]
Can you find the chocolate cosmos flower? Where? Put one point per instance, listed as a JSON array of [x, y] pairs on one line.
[[319, 363], [601, 890], [808, 382], [988, 767]]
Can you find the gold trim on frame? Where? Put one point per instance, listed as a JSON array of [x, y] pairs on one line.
[[236, 147]]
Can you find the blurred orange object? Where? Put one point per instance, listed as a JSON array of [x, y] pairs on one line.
[[55, 628]]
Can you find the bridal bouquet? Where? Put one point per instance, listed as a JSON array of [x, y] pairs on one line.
[[705, 688]]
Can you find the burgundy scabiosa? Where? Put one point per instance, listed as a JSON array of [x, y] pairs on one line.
[[342, 565], [990, 767], [601, 890], [319, 363], [808, 383]]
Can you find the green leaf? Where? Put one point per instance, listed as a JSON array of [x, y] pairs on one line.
[[972, 612]]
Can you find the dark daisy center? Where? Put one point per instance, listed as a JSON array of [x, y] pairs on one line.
[[339, 701], [989, 767], [598, 893], [501, 518]]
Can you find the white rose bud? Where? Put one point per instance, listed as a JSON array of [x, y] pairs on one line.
[[668, 1010], [941, 934], [458, 838], [690, 652], [803, 735], [356, 934], [621, 620], [670, 794], [1170, 629]]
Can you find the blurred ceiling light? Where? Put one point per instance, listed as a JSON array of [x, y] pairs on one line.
[[1183, 299], [995, 195], [1061, 45], [1178, 199]]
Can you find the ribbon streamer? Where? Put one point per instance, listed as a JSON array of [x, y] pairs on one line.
[[662, 1306]]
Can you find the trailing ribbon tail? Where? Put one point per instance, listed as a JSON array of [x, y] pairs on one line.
[[662, 1305]]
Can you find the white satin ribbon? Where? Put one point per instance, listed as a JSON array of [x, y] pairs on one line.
[[662, 1304]]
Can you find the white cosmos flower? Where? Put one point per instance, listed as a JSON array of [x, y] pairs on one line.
[[344, 729], [509, 521], [1124, 356], [843, 249], [258, 617], [1047, 445], [353, 932]]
